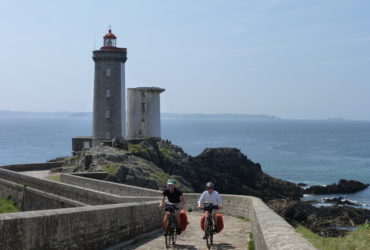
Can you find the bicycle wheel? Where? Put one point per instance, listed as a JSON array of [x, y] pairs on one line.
[[209, 233], [167, 234]]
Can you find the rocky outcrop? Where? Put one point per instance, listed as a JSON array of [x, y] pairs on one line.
[[324, 221], [341, 201], [343, 187], [124, 167], [230, 170]]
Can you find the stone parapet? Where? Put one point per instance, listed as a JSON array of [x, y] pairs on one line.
[[81, 194], [33, 166], [89, 227], [109, 187]]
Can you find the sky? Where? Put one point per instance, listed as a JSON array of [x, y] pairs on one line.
[[297, 59]]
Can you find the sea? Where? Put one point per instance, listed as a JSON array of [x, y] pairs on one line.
[[314, 152]]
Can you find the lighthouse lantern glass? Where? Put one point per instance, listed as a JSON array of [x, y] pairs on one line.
[[109, 42]]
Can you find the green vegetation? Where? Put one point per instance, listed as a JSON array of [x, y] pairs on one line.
[[190, 210], [356, 240], [53, 177], [242, 218], [166, 152], [250, 242], [7, 205], [137, 148], [110, 167]]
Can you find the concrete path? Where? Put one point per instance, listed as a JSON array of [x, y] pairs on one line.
[[235, 235]]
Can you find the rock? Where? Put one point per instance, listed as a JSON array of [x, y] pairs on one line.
[[343, 187], [302, 184], [340, 201], [321, 220]]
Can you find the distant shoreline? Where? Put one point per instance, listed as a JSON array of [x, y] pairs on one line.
[[198, 116]]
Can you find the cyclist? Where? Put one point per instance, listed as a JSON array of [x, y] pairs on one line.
[[210, 196], [174, 196]]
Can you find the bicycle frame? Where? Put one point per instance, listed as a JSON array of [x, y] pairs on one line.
[[169, 233], [209, 227]]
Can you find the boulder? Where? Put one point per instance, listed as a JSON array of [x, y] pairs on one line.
[[343, 187]]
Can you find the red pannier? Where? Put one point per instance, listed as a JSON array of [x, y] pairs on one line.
[[183, 220], [220, 222]]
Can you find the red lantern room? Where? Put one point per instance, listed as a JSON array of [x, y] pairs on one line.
[[110, 39]]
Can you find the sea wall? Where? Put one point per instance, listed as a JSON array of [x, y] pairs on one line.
[[29, 199], [89, 227], [76, 193], [33, 166], [109, 187]]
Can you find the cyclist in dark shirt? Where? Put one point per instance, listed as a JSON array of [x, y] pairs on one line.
[[173, 196]]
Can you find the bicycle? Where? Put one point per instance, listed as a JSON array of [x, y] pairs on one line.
[[209, 224], [170, 228]]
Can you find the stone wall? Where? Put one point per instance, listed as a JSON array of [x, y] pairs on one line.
[[32, 166], [89, 227], [109, 187], [29, 199], [76, 193], [270, 231]]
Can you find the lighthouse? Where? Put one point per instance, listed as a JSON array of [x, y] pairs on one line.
[[109, 110]]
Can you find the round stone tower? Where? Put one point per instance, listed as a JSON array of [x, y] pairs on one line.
[[109, 114]]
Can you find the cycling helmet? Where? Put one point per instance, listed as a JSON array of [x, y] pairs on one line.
[[171, 182], [210, 185]]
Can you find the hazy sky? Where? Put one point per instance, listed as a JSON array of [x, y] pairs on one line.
[[293, 59]]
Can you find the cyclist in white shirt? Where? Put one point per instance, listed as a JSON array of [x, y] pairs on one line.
[[210, 196]]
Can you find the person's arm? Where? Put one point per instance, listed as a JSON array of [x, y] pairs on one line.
[[201, 200], [182, 202], [162, 201]]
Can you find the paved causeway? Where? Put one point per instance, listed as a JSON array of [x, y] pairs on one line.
[[235, 235]]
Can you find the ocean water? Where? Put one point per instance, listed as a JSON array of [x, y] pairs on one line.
[[312, 152]]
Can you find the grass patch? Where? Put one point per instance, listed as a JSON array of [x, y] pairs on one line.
[[243, 218], [53, 177], [356, 240], [250, 242], [110, 167], [137, 148], [8, 206], [166, 153]]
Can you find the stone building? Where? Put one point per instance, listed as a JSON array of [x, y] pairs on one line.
[[143, 112]]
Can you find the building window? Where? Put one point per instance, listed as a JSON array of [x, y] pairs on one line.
[[107, 135], [108, 93], [107, 114], [108, 72], [143, 107]]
